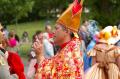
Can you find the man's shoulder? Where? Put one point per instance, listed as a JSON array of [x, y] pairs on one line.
[[2, 60], [75, 42]]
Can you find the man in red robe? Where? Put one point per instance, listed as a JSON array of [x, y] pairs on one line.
[[68, 62]]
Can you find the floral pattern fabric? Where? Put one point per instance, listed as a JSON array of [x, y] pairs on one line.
[[67, 64]]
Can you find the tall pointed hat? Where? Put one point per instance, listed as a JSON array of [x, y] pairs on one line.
[[72, 16]]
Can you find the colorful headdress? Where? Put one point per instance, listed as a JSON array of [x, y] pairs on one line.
[[71, 17], [110, 35]]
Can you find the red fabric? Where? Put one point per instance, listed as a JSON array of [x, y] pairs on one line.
[[76, 8], [51, 35], [16, 65], [69, 59], [36, 66], [63, 45]]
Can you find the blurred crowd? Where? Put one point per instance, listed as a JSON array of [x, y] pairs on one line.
[[88, 34], [71, 51]]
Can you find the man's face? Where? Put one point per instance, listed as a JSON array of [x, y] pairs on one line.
[[1, 32], [40, 36], [59, 34], [3, 40], [1, 36], [48, 28]]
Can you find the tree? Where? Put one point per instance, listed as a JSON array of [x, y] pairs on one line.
[[48, 8], [106, 12], [13, 10]]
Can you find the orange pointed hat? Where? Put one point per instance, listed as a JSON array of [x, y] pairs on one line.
[[71, 17]]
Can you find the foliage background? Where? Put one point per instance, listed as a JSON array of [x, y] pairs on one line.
[[106, 12]]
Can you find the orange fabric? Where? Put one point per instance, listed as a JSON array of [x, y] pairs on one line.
[[71, 17], [109, 35], [114, 31]]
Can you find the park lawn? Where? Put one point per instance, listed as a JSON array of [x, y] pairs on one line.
[[31, 28], [24, 50]]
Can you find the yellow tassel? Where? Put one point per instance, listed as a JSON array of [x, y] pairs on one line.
[[76, 35]]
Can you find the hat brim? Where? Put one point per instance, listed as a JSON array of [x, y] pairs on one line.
[[112, 40]]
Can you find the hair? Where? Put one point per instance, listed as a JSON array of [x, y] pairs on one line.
[[11, 34], [25, 34], [5, 27], [46, 26], [66, 29], [17, 38], [85, 20], [33, 38], [38, 32], [3, 41], [72, 35]]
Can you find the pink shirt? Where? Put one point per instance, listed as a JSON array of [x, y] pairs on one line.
[[12, 42]]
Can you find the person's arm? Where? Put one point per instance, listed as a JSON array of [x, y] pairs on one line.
[[117, 53], [4, 68], [5, 74], [48, 48], [118, 62], [31, 69], [3, 50], [39, 50], [93, 60], [92, 53], [69, 59]]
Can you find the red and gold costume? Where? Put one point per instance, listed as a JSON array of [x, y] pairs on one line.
[[68, 63]]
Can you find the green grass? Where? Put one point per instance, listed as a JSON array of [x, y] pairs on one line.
[[24, 50], [31, 28]]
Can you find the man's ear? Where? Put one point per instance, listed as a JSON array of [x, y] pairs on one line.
[[68, 31]]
